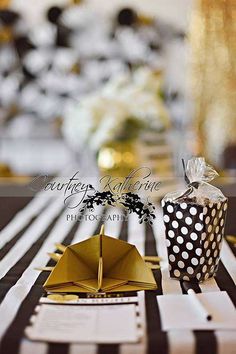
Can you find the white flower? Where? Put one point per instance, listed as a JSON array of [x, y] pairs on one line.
[[116, 114], [116, 85], [146, 106], [99, 117], [92, 121], [147, 80]]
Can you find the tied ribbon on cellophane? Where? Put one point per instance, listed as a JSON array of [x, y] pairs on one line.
[[197, 176]]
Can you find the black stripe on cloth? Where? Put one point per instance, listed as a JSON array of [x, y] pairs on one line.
[[58, 348], [10, 343], [10, 205], [18, 269], [69, 238], [156, 338], [108, 349], [124, 231], [225, 282], [114, 348], [13, 241], [205, 341]]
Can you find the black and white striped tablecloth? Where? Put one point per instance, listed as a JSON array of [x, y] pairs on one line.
[[33, 231]]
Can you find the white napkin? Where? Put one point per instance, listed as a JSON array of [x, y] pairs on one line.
[[178, 312]]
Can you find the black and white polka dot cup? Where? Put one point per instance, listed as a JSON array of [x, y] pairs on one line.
[[194, 238]]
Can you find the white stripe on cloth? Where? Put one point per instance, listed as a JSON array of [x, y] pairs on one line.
[[18, 292], [209, 285], [136, 233], [225, 342], [22, 218], [58, 233], [82, 349], [178, 344], [228, 259], [31, 235], [29, 347]]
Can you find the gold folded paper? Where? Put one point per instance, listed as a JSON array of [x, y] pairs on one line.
[[44, 269], [231, 239], [60, 247], [100, 264], [62, 298], [152, 266], [152, 259], [55, 256]]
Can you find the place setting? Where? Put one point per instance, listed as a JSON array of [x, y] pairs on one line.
[[89, 281]]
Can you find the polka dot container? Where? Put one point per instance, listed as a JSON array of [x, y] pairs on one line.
[[194, 238]]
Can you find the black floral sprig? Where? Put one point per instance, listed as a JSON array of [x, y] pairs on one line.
[[132, 202], [98, 198]]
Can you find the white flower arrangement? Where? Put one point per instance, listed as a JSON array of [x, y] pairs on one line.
[[103, 116]]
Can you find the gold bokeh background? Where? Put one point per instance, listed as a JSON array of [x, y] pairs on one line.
[[213, 41]]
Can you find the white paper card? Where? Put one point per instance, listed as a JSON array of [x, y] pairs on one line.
[[179, 312], [83, 324]]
